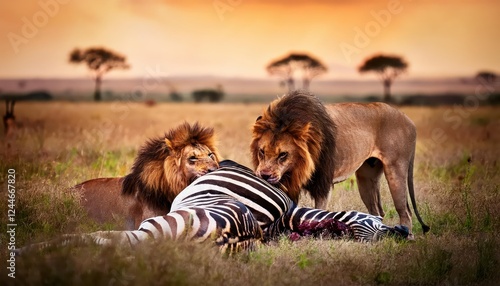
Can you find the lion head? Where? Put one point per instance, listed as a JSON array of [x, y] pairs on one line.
[[165, 166], [288, 140]]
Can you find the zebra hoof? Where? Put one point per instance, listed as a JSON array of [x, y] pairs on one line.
[[403, 232]]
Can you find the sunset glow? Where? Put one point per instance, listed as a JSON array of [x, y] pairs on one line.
[[238, 38]]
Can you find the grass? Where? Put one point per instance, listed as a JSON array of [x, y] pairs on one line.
[[457, 180]]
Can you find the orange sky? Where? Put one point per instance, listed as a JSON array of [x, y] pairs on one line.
[[175, 37]]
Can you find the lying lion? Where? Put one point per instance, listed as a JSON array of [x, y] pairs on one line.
[[162, 169], [303, 145]]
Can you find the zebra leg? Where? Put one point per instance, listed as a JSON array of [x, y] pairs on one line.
[[233, 224], [317, 223], [103, 238], [67, 239], [278, 227], [361, 226], [236, 227], [171, 225]]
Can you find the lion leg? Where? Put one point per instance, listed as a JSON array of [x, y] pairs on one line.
[[397, 176], [368, 178], [321, 202], [320, 190]]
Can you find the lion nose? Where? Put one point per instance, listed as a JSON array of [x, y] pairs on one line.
[[212, 167], [265, 176]]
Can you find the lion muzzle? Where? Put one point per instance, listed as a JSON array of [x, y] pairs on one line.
[[270, 177]]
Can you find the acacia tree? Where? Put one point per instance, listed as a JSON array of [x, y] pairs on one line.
[[285, 68], [486, 77], [100, 61], [282, 69], [388, 69]]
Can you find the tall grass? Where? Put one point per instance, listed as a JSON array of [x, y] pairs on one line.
[[457, 182]]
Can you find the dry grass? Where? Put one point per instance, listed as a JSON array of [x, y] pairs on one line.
[[59, 144]]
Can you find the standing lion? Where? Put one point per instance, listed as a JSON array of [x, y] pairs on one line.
[[162, 169], [303, 145]]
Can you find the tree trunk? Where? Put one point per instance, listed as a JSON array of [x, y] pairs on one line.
[[290, 83], [305, 83], [387, 91], [97, 92]]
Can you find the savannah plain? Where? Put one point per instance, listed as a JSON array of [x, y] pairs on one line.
[[59, 144]]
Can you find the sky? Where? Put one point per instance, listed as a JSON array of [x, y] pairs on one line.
[[238, 38]]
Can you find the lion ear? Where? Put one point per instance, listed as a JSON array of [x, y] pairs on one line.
[[258, 118]]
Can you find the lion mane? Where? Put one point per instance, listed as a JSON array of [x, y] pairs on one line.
[[155, 178], [305, 118]]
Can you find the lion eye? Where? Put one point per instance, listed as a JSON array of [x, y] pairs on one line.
[[282, 156], [261, 153], [192, 160]]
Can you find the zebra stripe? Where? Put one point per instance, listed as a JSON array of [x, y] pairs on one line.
[[237, 209]]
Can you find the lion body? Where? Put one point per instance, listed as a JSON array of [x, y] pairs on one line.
[[103, 200], [162, 169], [320, 146]]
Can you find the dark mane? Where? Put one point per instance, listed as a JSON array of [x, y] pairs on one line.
[[154, 151], [155, 177], [293, 114]]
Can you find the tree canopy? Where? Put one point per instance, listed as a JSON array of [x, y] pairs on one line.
[[486, 76], [100, 61], [388, 68], [286, 66]]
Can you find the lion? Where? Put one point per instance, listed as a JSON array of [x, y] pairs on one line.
[[163, 167], [300, 144]]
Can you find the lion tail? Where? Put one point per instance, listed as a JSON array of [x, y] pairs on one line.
[[411, 189]]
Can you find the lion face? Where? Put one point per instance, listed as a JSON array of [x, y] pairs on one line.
[[284, 151], [166, 165], [196, 161], [276, 156]]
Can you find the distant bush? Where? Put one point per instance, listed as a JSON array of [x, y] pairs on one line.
[[210, 95], [433, 100], [494, 99]]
